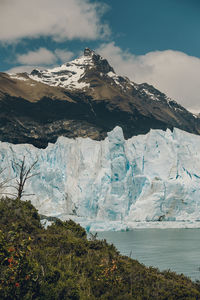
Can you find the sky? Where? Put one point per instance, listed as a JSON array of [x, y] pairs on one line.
[[151, 41]]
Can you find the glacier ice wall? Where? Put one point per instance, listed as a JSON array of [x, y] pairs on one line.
[[153, 177]]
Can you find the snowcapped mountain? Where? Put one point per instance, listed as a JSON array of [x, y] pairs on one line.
[[148, 180], [137, 175], [83, 98], [72, 75]]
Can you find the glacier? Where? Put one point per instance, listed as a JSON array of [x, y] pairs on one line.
[[150, 180]]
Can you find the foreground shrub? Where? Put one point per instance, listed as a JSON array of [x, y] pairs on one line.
[[61, 263]]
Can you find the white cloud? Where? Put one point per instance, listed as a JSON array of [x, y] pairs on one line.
[[64, 55], [172, 72], [42, 56], [59, 19], [40, 59]]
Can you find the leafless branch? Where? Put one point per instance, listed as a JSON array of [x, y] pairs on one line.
[[3, 183], [24, 175]]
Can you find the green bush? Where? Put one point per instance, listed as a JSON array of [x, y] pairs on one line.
[[61, 263]]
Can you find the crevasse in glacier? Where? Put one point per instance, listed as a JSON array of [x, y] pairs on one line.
[[114, 184]]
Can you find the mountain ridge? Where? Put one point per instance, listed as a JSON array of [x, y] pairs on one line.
[[84, 98]]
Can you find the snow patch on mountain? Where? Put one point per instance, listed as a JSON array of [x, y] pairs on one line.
[[72, 74], [18, 77], [151, 95], [75, 75], [67, 76]]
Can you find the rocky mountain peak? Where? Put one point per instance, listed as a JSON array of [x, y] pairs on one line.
[[100, 63], [83, 97], [88, 52], [72, 75]]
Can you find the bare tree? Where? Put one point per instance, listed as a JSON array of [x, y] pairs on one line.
[[4, 183], [25, 173]]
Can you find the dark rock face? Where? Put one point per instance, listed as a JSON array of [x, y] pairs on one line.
[[38, 123], [36, 72], [88, 52], [44, 121], [100, 64], [36, 113]]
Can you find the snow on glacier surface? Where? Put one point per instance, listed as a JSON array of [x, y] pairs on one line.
[[149, 180]]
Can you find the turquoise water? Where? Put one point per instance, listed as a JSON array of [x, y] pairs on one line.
[[174, 249]]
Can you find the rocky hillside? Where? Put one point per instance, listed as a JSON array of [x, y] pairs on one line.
[[86, 98]]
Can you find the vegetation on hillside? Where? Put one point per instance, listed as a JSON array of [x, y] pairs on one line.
[[61, 263]]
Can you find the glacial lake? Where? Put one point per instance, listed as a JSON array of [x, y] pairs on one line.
[[174, 249]]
